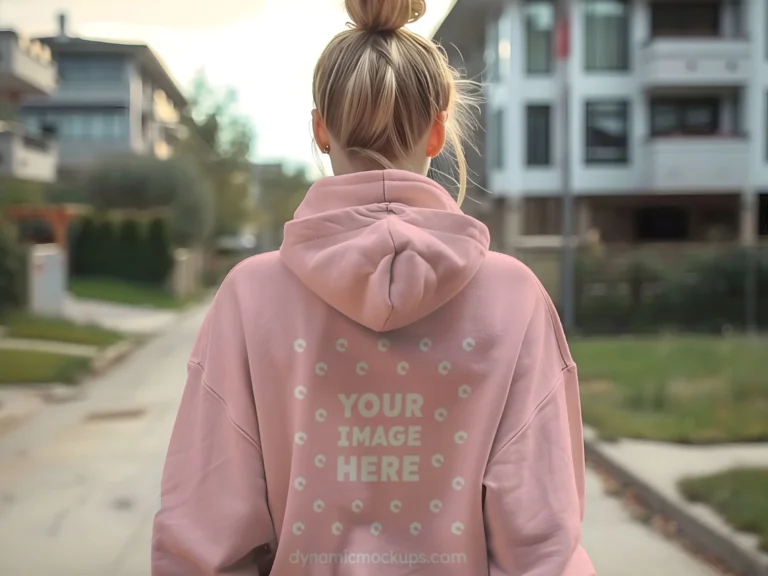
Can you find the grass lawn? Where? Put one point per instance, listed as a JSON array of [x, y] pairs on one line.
[[124, 293], [21, 325], [32, 367], [680, 389], [739, 496]]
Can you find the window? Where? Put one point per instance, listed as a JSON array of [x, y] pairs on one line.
[[99, 125], [538, 141], [492, 64], [606, 31], [496, 140], [91, 69], [765, 133], [685, 18], [539, 23], [607, 132], [684, 116], [661, 224]]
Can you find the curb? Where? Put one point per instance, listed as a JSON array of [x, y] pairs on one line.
[[704, 538], [112, 355]]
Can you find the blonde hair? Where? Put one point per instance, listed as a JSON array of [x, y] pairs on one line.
[[379, 87]]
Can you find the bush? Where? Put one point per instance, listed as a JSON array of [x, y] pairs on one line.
[[704, 293], [95, 249], [158, 252], [105, 249], [147, 183], [82, 250], [12, 268], [127, 251], [131, 254]]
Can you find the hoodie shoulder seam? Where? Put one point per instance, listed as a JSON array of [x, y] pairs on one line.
[[223, 402], [560, 380], [565, 356]]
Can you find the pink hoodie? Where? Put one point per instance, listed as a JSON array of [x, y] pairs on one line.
[[382, 396]]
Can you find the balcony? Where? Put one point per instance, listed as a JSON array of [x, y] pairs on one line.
[[696, 164], [26, 67], [708, 61], [25, 157]]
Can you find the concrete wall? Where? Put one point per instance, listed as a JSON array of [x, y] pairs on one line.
[[47, 282]]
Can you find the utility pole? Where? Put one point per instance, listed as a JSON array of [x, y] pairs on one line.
[[563, 51], [750, 223]]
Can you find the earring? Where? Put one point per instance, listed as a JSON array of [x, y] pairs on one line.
[[327, 149]]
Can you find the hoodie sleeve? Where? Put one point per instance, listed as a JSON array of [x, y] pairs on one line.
[[214, 518], [534, 480]]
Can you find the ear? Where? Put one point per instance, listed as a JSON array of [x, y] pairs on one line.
[[319, 130], [436, 140]]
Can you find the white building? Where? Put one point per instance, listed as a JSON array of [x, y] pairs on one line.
[[113, 99], [26, 69], [668, 117]]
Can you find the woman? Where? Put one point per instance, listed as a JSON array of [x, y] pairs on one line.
[[384, 395]]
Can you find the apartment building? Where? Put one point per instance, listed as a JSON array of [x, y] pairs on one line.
[[26, 69], [113, 99], [668, 118]]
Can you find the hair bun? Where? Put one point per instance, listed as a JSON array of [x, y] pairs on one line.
[[384, 15]]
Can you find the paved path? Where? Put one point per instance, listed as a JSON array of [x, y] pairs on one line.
[[77, 494], [128, 319], [662, 466]]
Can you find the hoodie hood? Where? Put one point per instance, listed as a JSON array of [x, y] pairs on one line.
[[385, 248]]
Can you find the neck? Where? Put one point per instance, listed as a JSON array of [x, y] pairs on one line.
[[343, 165]]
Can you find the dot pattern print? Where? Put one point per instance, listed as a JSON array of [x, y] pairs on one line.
[[437, 460]]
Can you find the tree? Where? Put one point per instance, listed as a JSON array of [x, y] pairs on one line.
[[280, 194], [220, 140], [146, 183]]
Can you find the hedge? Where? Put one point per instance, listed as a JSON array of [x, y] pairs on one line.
[[12, 268], [129, 249]]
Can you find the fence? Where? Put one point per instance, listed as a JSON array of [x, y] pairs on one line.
[[686, 288]]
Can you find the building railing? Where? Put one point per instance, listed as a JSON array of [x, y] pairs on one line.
[[39, 143], [35, 50], [654, 39], [719, 136]]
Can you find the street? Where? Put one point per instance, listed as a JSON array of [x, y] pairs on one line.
[[79, 484]]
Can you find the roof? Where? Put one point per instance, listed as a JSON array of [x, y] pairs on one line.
[[149, 60], [464, 22]]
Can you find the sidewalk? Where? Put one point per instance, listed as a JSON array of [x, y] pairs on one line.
[[79, 484], [655, 468], [122, 318]]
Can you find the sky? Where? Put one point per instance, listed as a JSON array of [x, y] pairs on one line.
[[265, 49]]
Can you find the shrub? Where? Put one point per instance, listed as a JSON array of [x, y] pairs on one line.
[[82, 256], [704, 293], [104, 249], [12, 268], [130, 255], [158, 252]]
